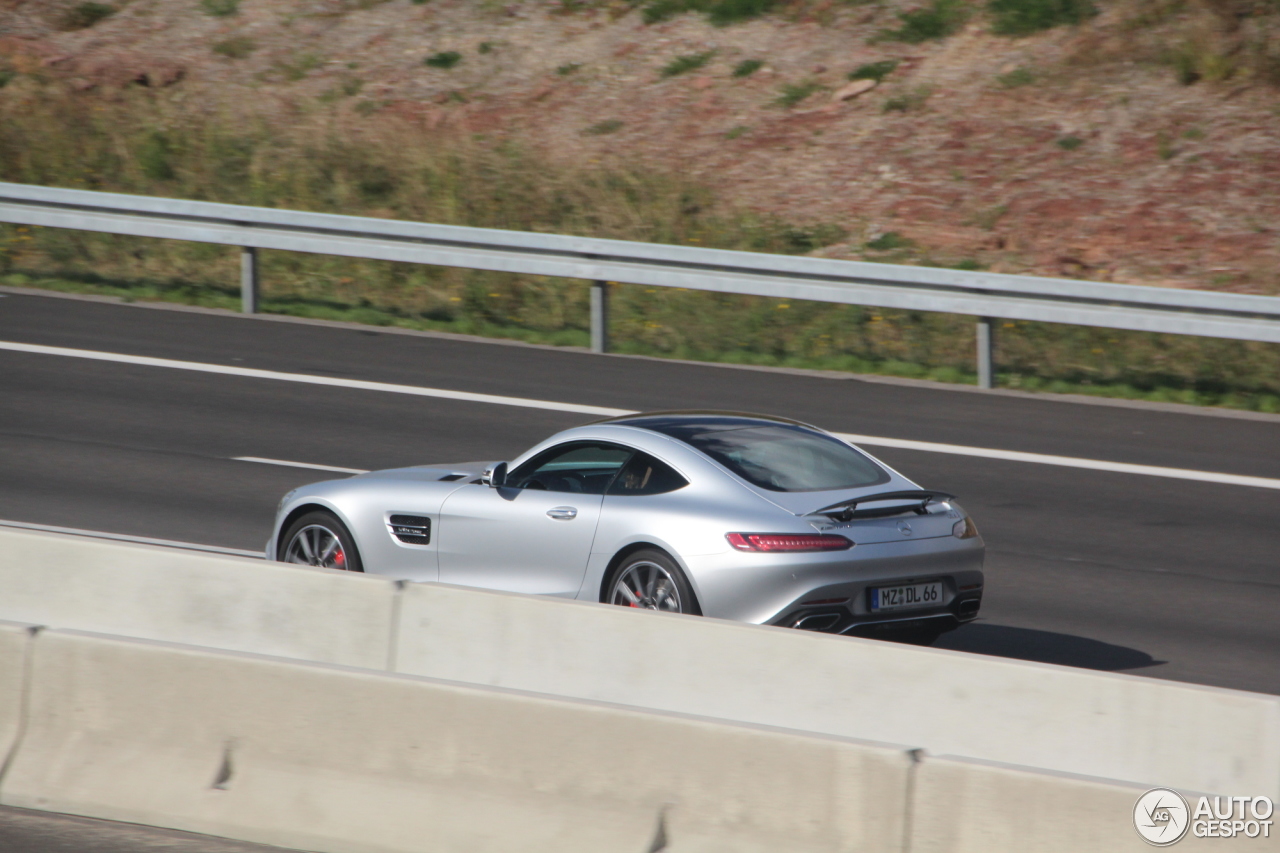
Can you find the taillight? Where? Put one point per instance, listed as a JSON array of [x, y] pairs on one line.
[[788, 541], [964, 529]]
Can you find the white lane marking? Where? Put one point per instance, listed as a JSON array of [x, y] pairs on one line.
[[253, 373], [137, 540], [577, 408], [1064, 461], [311, 465]]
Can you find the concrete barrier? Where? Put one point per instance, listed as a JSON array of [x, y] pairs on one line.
[[349, 761], [1136, 729], [1143, 730], [13, 646], [203, 599], [967, 806]]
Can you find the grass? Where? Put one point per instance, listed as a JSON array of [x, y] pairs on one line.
[[140, 141], [299, 67], [687, 63], [443, 59], [736, 131], [793, 93], [84, 15], [908, 101], [1021, 76], [220, 8], [721, 13], [874, 70], [1023, 17], [568, 68], [1069, 143], [747, 67], [605, 127], [890, 241], [937, 20], [236, 47]]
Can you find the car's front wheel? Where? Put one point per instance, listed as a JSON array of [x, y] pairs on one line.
[[320, 539], [651, 580]]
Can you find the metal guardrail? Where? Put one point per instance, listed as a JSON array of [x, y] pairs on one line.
[[985, 295]]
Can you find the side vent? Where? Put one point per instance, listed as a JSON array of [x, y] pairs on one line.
[[449, 478], [411, 529]]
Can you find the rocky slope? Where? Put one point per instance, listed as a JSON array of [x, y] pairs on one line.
[[1141, 145]]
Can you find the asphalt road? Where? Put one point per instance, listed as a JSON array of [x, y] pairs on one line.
[[1148, 575]]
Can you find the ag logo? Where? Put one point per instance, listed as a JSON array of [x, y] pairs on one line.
[[1161, 817]]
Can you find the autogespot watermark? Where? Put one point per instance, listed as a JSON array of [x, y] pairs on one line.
[[1163, 817]]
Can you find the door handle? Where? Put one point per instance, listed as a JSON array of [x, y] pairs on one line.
[[562, 513]]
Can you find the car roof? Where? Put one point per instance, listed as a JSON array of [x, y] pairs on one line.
[[681, 423]]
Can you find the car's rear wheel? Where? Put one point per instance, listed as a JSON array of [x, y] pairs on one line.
[[320, 539], [651, 580]]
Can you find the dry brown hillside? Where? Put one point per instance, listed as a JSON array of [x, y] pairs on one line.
[[1142, 144]]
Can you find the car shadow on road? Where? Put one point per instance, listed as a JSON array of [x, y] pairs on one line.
[[1044, 647]]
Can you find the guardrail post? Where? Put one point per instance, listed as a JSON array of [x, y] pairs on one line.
[[249, 280], [986, 347], [600, 316]]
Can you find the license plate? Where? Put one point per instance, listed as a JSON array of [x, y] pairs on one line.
[[905, 597]]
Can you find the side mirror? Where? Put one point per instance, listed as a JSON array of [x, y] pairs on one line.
[[497, 475]]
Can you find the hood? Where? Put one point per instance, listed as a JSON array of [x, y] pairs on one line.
[[456, 472]]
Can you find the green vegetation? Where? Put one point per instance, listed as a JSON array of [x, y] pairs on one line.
[[1022, 76], [568, 68], [485, 47], [236, 47], [5, 76], [444, 59], [890, 241], [687, 63], [84, 15], [874, 70], [719, 12], [220, 8], [1070, 143], [298, 68], [1023, 17], [736, 131], [938, 20], [913, 100], [601, 128], [794, 93], [747, 67], [140, 141], [349, 87]]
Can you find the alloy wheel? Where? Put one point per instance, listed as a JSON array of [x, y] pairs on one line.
[[316, 545], [647, 585]]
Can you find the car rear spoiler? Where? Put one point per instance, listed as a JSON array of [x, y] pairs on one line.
[[848, 510]]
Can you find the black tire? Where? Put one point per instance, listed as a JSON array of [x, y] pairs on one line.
[[653, 581], [319, 526]]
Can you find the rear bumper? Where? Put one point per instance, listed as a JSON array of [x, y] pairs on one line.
[[962, 606], [788, 589]]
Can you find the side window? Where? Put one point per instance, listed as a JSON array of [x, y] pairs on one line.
[[585, 467], [644, 475]]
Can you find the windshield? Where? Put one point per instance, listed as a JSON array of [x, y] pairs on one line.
[[785, 458]]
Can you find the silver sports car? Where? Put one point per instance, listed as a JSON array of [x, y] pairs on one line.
[[745, 517]]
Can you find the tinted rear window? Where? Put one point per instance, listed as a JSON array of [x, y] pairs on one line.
[[783, 458]]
